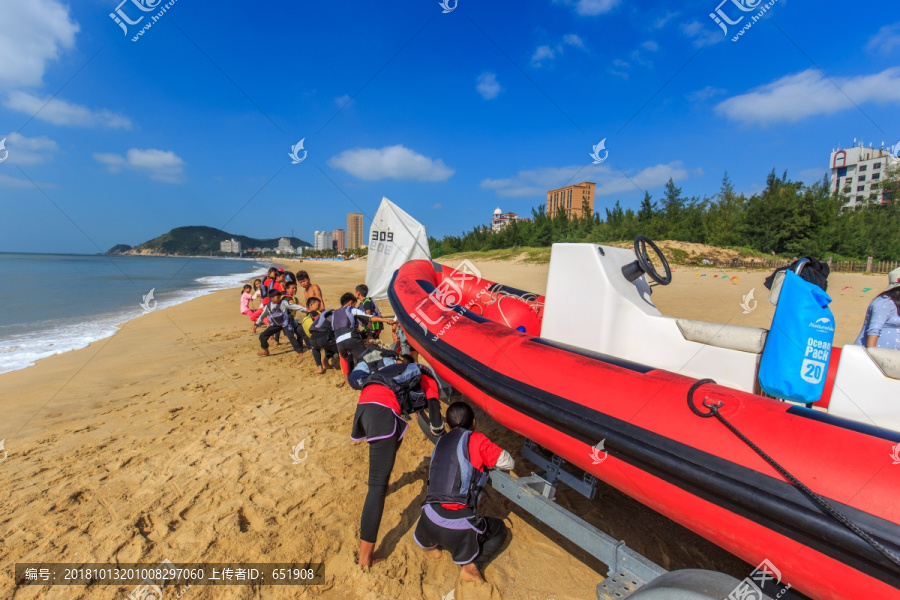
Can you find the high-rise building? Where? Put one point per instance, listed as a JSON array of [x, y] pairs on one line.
[[339, 240], [857, 173], [355, 230], [323, 240], [230, 246], [571, 200]]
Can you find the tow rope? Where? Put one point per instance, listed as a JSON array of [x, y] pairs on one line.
[[816, 498]]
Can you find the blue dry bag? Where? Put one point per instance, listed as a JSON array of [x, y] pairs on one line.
[[795, 360]]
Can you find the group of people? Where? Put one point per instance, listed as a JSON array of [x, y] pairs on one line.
[[394, 388]]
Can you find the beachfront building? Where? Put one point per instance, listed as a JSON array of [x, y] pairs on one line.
[[322, 240], [857, 173], [355, 230], [501, 220], [571, 200], [338, 240], [284, 246], [231, 245]]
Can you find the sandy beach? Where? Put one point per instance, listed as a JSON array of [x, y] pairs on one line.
[[172, 440]]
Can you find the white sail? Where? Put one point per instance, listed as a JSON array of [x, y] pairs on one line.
[[394, 238]]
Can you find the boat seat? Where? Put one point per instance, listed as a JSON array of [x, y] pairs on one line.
[[887, 360], [732, 337]]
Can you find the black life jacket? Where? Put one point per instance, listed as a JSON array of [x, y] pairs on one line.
[[343, 321], [452, 478], [405, 380], [324, 321], [374, 357], [264, 287]]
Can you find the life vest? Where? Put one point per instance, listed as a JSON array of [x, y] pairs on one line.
[[324, 321], [369, 304], [452, 478], [264, 288], [278, 316], [343, 321], [405, 380], [378, 358]]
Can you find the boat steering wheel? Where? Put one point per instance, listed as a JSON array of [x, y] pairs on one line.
[[643, 265]]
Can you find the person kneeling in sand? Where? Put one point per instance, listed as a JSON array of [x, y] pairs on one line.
[[450, 517]]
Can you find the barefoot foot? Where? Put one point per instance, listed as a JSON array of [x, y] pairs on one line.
[[470, 572]]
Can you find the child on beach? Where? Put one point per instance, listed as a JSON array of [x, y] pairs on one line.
[[246, 298], [387, 395], [367, 305], [278, 310], [450, 517], [345, 322], [401, 343], [310, 289], [321, 334]]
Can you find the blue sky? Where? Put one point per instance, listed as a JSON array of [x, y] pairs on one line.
[[452, 114]]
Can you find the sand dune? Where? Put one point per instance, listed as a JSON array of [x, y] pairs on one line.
[[172, 440]]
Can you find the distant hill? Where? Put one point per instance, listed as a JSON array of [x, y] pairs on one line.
[[196, 240]]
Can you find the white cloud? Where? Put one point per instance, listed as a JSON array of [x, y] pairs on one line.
[[394, 162], [650, 45], [8, 181], [161, 165], [536, 182], [437, 206], [29, 151], [590, 8], [61, 112], [808, 93], [343, 101], [32, 33], [661, 22], [488, 86], [700, 34], [547, 52], [705, 94], [886, 41]]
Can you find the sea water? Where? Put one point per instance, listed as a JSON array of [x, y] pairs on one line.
[[54, 303]]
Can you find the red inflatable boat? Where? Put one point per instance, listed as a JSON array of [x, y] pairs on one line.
[[484, 339]]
